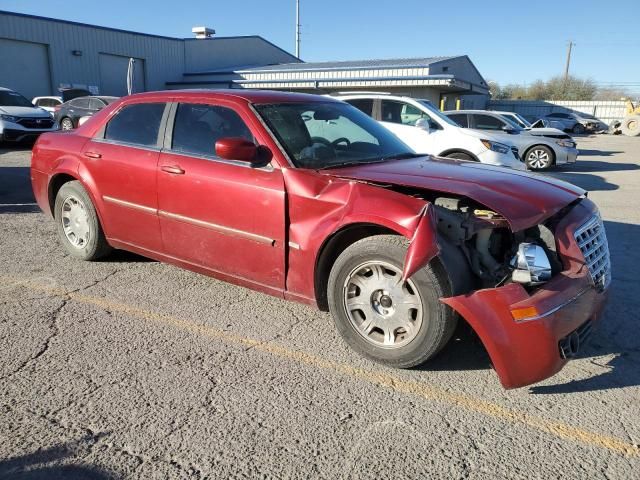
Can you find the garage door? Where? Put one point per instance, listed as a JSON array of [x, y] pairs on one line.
[[24, 67], [113, 75]]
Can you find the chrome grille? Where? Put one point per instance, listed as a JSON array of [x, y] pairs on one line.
[[592, 240], [37, 122]]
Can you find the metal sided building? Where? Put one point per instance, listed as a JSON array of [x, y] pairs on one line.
[[42, 56], [448, 82]]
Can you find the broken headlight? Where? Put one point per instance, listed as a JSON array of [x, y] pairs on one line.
[[531, 265]]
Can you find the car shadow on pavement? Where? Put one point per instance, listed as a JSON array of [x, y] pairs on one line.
[[616, 337], [53, 463], [586, 152], [463, 352], [16, 195]]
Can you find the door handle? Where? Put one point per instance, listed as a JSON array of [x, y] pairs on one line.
[[92, 155], [173, 169]]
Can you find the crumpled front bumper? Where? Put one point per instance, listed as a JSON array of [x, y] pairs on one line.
[[527, 349]]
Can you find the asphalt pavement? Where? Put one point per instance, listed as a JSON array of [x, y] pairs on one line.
[[129, 368]]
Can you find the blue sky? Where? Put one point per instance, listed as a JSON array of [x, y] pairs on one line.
[[509, 41]]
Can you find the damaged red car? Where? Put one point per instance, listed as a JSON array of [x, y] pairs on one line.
[[307, 198]]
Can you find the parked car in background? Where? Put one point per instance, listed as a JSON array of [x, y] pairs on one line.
[[513, 119], [20, 120], [306, 198], [539, 148], [69, 113], [522, 122], [47, 103], [577, 122], [426, 130]]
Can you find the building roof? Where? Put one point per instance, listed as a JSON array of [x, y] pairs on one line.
[[251, 96], [351, 64]]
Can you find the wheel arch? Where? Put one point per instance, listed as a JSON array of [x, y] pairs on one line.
[[458, 150], [58, 180], [333, 246]]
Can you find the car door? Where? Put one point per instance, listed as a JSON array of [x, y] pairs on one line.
[[223, 215], [121, 161], [420, 140]]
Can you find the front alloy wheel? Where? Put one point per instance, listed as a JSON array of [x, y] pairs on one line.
[[384, 310], [400, 323], [539, 158]]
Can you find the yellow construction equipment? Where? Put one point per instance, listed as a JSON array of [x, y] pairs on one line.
[[630, 124]]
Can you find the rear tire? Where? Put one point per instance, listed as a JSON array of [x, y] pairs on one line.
[[631, 126], [397, 324], [66, 124], [539, 157], [77, 223], [461, 156]]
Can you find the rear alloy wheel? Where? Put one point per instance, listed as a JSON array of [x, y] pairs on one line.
[[398, 323], [66, 124], [539, 158], [78, 226], [578, 128]]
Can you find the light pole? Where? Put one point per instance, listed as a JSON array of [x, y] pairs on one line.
[[298, 28]]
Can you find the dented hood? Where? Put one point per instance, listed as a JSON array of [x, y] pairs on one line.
[[524, 199]]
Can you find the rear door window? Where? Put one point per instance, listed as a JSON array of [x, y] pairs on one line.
[[198, 127], [136, 124], [96, 104], [487, 122], [365, 105], [80, 103], [460, 118]]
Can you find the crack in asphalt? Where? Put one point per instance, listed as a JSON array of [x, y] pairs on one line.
[[54, 326]]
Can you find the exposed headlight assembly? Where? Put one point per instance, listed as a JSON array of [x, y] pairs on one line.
[[566, 143], [9, 118], [531, 265], [495, 146]]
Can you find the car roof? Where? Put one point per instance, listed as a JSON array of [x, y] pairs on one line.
[[473, 111], [249, 95]]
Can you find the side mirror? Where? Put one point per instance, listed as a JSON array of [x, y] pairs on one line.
[[423, 124], [508, 129], [235, 148]]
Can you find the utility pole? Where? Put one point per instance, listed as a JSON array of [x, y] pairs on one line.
[[566, 68], [298, 28]]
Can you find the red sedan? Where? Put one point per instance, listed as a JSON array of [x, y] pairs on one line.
[[309, 199]]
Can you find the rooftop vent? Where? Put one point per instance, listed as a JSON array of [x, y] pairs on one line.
[[203, 32]]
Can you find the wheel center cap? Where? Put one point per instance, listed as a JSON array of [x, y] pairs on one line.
[[385, 301]]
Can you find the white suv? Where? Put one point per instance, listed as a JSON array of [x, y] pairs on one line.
[[423, 128], [20, 119]]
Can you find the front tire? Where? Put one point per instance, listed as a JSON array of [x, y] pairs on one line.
[[77, 223], [578, 128], [539, 158], [399, 324]]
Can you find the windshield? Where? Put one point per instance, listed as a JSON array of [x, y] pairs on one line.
[[323, 135], [518, 119], [437, 113], [13, 99]]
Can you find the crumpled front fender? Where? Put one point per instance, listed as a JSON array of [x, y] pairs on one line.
[[424, 243]]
